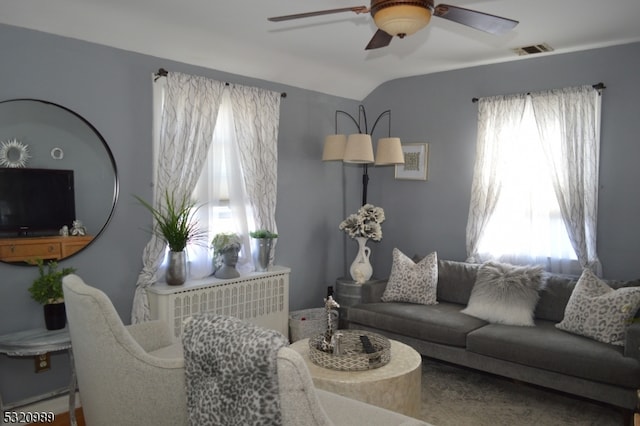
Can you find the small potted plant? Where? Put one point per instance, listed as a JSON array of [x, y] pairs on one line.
[[226, 246], [262, 243], [46, 289], [176, 226]]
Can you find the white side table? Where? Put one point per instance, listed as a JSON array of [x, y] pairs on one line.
[[395, 386], [35, 342]]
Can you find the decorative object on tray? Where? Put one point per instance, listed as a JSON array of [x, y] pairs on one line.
[[363, 225], [46, 289], [353, 355], [262, 244], [174, 223], [13, 153], [225, 253], [327, 343]]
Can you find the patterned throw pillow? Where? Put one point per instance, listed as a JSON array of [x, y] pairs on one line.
[[505, 294], [412, 282], [597, 311]]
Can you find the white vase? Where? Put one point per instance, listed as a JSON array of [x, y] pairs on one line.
[[177, 268], [361, 269]]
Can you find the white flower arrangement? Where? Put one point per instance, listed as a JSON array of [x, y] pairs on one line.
[[365, 223]]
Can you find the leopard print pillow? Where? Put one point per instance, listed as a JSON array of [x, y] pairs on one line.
[[597, 311], [412, 282]]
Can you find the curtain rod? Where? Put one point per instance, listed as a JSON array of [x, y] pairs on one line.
[[163, 73], [597, 86]]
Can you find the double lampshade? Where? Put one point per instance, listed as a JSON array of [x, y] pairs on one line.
[[358, 148]]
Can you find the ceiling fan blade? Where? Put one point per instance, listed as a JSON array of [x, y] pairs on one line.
[[356, 9], [380, 39], [479, 20]]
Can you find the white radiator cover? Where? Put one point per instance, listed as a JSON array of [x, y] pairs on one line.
[[261, 298]]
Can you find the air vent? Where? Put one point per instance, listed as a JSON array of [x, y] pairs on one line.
[[535, 48]]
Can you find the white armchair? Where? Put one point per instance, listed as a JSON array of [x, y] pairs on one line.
[[134, 375], [126, 375]]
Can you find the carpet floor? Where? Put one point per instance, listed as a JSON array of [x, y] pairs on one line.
[[454, 396]]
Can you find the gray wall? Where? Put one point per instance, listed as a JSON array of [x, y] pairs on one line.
[[437, 108], [112, 89]]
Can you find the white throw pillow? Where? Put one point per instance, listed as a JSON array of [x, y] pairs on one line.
[[412, 282], [597, 311], [505, 294]]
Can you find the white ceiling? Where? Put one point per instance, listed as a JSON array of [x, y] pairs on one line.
[[326, 53]]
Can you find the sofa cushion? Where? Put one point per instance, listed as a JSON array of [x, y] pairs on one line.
[[598, 311], [441, 323], [546, 347], [412, 282], [456, 280], [505, 294], [555, 292]]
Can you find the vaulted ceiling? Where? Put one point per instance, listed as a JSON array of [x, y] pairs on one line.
[[324, 53]]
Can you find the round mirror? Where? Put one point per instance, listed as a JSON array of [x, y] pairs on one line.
[[58, 182]]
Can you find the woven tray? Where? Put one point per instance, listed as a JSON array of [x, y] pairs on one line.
[[353, 357]]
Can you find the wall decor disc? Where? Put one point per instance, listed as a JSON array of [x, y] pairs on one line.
[[13, 153]]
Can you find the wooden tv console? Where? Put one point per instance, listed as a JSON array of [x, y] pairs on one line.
[[27, 249]]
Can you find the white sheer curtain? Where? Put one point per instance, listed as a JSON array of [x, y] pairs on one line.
[[498, 117], [257, 116], [572, 149], [534, 194], [189, 111]]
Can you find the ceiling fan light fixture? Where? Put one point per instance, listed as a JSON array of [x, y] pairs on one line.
[[402, 19]]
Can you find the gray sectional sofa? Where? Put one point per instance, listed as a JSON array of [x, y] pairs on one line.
[[542, 355]]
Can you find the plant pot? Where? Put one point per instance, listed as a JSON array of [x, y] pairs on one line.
[[55, 316], [261, 253], [177, 268]]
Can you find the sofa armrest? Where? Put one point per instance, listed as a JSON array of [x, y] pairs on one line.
[[151, 335], [372, 291], [632, 340]]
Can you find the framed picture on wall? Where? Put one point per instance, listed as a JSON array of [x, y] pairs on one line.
[[416, 160]]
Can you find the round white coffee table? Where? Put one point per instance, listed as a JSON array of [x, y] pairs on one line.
[[395, 386]]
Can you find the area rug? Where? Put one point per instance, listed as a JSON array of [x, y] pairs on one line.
[[455, 396]]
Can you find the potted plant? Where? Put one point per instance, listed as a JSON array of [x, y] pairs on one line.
[[46, 289], [262, 243], [226, 246], [174, 223]]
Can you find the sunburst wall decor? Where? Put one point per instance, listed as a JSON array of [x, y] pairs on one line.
[[13, 153]]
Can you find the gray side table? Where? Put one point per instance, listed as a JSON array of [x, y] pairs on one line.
[[36, 342], [349, 293]]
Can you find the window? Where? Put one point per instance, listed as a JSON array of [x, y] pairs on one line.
[[527, 223], [185, 115], [219, 192], [535, 187], [219, 187]]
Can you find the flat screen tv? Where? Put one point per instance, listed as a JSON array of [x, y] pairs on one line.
[[35, 202]]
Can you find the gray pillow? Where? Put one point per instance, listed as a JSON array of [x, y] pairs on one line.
[[505, 294], [598, 311], [412, 282], [456, 280]]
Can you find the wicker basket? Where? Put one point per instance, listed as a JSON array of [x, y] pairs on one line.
[[310, 322], [353, 358]]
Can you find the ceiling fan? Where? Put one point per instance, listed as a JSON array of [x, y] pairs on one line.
[[401, 18]]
